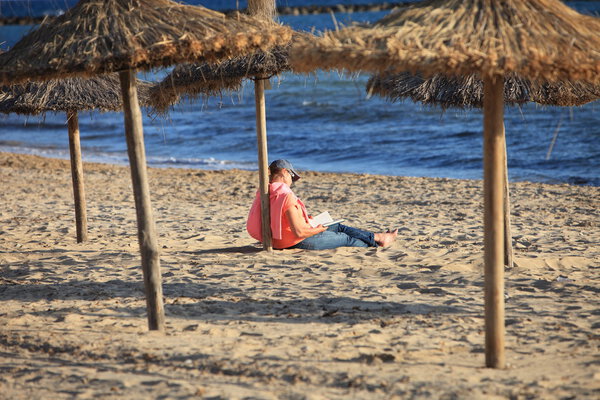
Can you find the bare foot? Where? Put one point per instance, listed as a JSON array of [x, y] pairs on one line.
[[385, 239]]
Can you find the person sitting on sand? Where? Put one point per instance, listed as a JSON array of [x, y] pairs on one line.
[[290, 221]]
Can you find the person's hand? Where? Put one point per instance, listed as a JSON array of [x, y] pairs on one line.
[[321, 228]]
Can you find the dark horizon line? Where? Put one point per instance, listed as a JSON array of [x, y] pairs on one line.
[[282, 10]]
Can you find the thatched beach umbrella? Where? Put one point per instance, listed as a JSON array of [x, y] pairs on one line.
[[193, 80], [70, 95], [98, 36], [207, 78], [535, 39], [467, 92]]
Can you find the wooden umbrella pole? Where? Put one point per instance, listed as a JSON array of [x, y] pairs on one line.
[[493, 188], [265, 10], [261, 137], [77, 177], [508, 250], [146, 228]]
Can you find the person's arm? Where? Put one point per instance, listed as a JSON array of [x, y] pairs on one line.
[[299, 226]]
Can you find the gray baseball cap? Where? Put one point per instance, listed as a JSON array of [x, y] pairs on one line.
[[280, 164]]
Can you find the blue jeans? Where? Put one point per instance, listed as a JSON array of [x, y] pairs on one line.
[[337, 235]]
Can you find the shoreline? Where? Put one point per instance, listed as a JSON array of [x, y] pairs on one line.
[[123, 162], [405, 321]]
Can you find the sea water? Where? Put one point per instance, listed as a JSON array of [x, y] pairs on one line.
[[325, 122]]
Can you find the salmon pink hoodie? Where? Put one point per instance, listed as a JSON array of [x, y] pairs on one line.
[[278, 192]]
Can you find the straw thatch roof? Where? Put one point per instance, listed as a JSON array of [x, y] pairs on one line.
[[98, 36], [212, 78], [535, 39], [101, 93], [191, 80], [466, 92]]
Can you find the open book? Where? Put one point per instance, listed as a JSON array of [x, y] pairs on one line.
[[324, 219]]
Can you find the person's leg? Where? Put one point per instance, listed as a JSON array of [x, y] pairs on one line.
[[383, 239], [329, 239], [360, 234]]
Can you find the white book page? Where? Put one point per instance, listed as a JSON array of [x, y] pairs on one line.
[[320, 219]]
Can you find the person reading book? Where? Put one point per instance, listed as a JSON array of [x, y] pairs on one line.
[[291, 224]]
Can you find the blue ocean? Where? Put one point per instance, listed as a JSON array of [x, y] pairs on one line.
[[321, 122]]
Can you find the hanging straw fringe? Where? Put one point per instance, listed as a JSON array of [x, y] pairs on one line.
[[467, 91], [101, 93]]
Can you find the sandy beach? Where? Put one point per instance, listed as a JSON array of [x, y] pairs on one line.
[[399, 322]]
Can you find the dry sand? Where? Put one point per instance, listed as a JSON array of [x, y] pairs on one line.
[[400, 322]]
